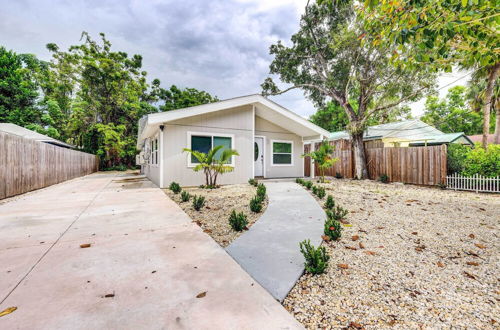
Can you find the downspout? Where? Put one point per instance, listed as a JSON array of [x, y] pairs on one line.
[[160, 161]]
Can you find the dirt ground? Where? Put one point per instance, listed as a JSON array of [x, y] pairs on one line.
[[410, 257], [214, 216]]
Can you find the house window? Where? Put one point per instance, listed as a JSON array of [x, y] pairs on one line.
[[203, 142], [153, 159], [282, 153]]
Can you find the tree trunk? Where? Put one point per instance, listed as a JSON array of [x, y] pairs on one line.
[[493, 73], [361, 171], [496, 137]]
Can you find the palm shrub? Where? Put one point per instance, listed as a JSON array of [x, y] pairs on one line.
[[256, 204], [337, 213], [212, 163], [198, 202], [316, 258], [175, 187], [185, 196], [332, 228], [323, 156], [252, 182], [261, 191], [320, 192], [308, 184], [329, 203], [238, 221]]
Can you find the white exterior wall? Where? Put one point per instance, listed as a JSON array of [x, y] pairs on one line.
[[152, 172], [237, 122], [273, 132]]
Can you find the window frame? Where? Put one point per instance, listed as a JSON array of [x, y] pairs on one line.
[[212, 135], [282, 153], [153, 158]]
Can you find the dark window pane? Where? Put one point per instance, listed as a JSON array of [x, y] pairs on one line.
[[282, 147], [255, 151], [282, 159], [222, 141], [201, 144]]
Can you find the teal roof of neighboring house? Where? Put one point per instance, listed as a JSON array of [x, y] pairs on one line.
[[411, 130], [443, 138]]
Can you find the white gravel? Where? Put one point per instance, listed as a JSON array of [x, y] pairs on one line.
[[430, 260]]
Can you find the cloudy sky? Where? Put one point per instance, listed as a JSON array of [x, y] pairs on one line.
[[221, 46]]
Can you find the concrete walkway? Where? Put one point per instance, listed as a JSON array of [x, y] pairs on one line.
[[269, 251], [144, 269]]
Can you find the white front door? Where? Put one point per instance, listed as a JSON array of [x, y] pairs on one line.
[[258, 157]]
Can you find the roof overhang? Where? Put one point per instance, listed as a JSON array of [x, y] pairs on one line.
[[264, 108]]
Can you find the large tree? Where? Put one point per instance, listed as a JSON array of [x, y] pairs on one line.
[[175, 98], [453, 113], [442, 34], [330, 60]]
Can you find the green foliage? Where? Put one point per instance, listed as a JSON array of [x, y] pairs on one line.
[[212, 163], [452, 115], [253, 182], [316, 259], [384, 178], [320, 192], [120, 167], [323, 157], [256, 204], [482, 161], [456, 155], [299, 181], [337, 213], [332, 228], [329, 203], [185, 196], [176, 98], [338, 175], [308, 184], [314, 189], [238, 221], [198, 202], [175, 187], [261, 191]]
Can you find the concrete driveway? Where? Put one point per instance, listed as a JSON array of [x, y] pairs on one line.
[[146, 265]]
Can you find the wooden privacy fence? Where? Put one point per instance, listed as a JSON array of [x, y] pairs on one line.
[[27, 165], [475, 183], [417, 165]]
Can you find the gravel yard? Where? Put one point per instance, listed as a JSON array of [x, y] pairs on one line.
[[214, 216], [415, 258]]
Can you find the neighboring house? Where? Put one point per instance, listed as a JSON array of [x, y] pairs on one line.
[[269, 138], [407, 133], [479, 138], [32, 135]]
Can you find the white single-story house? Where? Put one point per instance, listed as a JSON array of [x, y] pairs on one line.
[[269, 139]]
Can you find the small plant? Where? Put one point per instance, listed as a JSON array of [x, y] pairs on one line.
[[261, 192], [299, 181], [316, 258], [330, 203], [198, 202], [338, 213], [338, 175], [238, 221], [442, 185], [174, 186], [253, 182], [333, 229], [315, 190], [256, 204], [185, 196], [308, 184], [320, 192], [384, 178]]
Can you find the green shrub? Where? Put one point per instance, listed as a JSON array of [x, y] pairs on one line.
[[456, 155], [320, 192], [333, 228], [299, 181], [330, 203], [314, 189], [384, 178], [198, 202], [308, 184], [261, 191], [174, 186], [256, 204], [485, 162], [238, 221], [185, 196], [253, 182], [316, 258], [337, 213], [338, 175]]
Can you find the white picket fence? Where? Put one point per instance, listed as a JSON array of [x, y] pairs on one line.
[[477, 183]]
